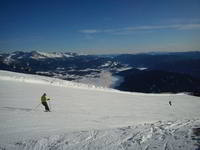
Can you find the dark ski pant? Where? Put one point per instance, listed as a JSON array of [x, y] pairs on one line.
[[46, 106]]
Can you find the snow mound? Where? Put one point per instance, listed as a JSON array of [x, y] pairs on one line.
[[37, 79], [167, 135]]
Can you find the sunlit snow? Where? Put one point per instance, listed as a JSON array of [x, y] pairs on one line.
[[85, 117]]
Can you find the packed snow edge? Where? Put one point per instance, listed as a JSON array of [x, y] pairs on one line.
[[37, 79]]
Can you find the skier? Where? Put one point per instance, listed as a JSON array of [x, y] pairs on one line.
[[170, 103], [44, 100]]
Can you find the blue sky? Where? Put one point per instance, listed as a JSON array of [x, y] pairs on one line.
[[100, 26]]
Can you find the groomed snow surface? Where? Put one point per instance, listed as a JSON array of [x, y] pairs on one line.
[[85, 117]]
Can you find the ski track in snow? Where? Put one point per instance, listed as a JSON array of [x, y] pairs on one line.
[[167, 135], [85, 117]]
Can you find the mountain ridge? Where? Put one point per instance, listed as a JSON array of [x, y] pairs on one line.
[[91, 68]]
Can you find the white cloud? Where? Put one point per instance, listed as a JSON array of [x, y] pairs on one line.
[[189, 27], [159, 27], [130, 30], [89, 31]]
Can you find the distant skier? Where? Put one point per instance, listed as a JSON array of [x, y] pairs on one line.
[[170, 103], [44, 100]]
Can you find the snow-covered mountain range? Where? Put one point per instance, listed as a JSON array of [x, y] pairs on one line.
[[149, 73], [85, 117], [88, 69], [10, 57]]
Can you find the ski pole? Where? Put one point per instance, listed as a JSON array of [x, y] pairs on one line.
[[49, 105], [37, 106]]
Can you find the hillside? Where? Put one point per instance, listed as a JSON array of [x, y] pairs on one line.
[[85, 117], [156, 81]]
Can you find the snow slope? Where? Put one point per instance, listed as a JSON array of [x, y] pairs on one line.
[[92, 118]]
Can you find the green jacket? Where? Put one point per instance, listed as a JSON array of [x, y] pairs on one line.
[[44, 98]]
